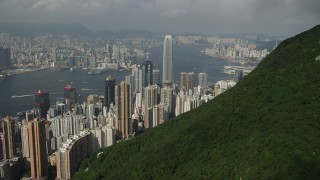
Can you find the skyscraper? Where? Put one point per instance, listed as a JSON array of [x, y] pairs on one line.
[[123, 108], [167, 98], [183, 81], [203, 79], [147, 73], [130, 80], [191, 80], [9, 138], [150, 100], [156, 77], [151, 96], [167, 59], [137, 74], [42, 102], [37, 148], [109, 93], [116, 52], [187, 81], [70, 97]]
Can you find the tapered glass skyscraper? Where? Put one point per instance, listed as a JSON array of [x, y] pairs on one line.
[[167, 59]]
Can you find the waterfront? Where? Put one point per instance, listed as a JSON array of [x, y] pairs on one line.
[[23, 86]]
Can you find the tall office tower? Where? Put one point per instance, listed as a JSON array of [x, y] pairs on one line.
[[150, 100], [109, 88], [147, 73], [183, 81], [109, 53], [116, 52], [156, 77], [54, 54], [151, 96], [187, 81], [42, 102], [9, 138], [179, 109], [137, 74], [130, 80], [5, 58], [160, 114], [138, 102], [167, 98], [70, 97], [191, 80], [203, 79], [37, 148], [25, 139], [123, 108], [167, 59]]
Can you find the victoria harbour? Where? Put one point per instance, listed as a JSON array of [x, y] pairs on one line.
[[17, 92]]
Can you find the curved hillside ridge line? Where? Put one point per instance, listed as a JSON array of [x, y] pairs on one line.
[[265, 127]]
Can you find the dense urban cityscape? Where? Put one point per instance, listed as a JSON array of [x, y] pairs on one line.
[[62, 133]]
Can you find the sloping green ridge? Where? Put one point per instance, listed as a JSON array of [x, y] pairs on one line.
[[267, 126]]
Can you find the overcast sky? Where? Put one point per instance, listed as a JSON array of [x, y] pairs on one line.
[[274, 17]]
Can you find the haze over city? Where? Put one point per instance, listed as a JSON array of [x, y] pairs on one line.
[[274, 17]]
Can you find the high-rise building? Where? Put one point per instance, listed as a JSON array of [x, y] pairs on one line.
[[156, 77], [109, 91], [54, 54], [42, 102], [130, 80], [116, 52], [137, 74], [147, 73], [151, 96], [191, 80], [203, 79], [183, 81], [37, 148], [70, 97], [25, 139], [167, 59], [5, 58], [123, 109], [70, 154], [109, 52], [187, 81], [9, 139], [150, 100], [167, 98]]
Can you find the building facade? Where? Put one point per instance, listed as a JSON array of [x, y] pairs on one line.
[[167, 59]]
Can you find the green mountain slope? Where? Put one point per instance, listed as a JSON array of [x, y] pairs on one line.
[[267, 126]]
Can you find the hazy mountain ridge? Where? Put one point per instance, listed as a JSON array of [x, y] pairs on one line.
[[74, 29], [36, 29]]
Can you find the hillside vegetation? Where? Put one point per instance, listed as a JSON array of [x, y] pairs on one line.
[[267, 126]]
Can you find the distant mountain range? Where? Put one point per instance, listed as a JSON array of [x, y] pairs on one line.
[[69, 29], [76, 29]]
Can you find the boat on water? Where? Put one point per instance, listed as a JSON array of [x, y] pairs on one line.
[[73, 69], [94, 71], [22, 113]]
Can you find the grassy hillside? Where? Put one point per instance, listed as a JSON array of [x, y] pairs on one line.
[[267, 126]]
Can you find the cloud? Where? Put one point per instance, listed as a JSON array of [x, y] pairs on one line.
[[48, 4], [210, 16]]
